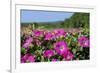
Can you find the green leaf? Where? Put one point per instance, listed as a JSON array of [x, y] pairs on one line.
[[31, 50], [23, 50], [74, 50]]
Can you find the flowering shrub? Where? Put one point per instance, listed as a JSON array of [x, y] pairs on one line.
[[55, 45]]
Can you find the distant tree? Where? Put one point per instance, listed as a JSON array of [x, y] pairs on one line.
[[35, 25], [77, 20]]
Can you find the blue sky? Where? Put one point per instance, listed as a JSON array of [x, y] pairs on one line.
[[43, 16]]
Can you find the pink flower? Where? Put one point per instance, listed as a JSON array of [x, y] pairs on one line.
[[38, 33], [31, 59], [83, 41], [68, 56], [61, 47], [60, 33], [49, 36], [30, 39], [28, 58], [27, 42], [38, 42], [48, 53], [54, 60]]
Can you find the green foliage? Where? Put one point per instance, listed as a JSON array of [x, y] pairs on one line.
[[80, 53], [23, 51]]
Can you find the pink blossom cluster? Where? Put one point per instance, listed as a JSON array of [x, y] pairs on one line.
[[57, 42]]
